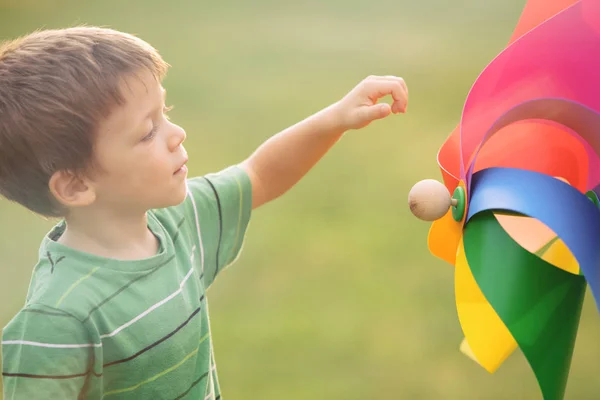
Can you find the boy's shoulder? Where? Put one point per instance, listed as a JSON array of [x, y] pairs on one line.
[[54, 309], [52, 276]]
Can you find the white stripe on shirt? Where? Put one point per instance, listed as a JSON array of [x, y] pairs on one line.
[[50, 345], [155, 306]]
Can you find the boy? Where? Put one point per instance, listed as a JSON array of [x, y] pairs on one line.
[[116, 307]]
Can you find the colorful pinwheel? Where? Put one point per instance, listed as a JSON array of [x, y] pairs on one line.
[[523, 165]]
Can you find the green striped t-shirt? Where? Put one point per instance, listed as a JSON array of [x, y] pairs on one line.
[[99, 328]]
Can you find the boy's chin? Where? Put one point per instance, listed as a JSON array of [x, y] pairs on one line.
[[174, 199]]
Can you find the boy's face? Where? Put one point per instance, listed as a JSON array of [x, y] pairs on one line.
[[140, 152]]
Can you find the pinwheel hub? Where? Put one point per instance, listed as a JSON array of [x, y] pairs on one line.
[[459, 200], [430, 200]]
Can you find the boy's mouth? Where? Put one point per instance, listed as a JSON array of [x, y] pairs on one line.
[[182, 168]]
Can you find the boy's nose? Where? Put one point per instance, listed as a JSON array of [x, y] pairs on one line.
[[177, 137]]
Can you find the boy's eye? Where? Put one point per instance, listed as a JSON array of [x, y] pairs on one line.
[[150, 135]]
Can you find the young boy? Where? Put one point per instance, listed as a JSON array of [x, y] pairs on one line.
[[117, 306]]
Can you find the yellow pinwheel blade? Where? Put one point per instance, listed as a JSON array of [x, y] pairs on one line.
[[465, 348], [487, 340]]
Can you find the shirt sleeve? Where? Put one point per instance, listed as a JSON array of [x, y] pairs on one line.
[[46, 354], [220, 206]]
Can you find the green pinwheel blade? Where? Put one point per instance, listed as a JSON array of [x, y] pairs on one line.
[[539, 303]]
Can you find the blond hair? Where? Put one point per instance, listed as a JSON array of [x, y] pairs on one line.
[[55, 88]]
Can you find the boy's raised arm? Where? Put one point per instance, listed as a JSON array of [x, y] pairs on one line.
[[280, 162]]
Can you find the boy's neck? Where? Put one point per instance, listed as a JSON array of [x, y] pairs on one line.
[[109, 235]]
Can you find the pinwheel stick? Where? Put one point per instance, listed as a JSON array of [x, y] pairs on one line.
[[429, 200]]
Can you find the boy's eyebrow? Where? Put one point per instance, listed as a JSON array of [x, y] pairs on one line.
[[153, 110], [164, 94]]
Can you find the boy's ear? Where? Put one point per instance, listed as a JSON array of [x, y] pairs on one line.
[[71, 190]]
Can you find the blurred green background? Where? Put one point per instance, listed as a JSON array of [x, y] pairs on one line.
[[336, 295]]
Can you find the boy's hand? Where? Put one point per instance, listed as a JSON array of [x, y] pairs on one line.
[[360, 107]]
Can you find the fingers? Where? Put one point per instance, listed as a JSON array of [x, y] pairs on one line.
[[395, 78], [377, 111], [377, 87]]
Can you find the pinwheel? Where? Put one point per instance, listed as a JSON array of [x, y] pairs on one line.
[[522, 226]]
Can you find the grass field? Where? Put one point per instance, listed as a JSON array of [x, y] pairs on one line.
[[336, 295]]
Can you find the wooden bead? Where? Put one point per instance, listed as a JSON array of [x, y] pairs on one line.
[[429, 200]]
